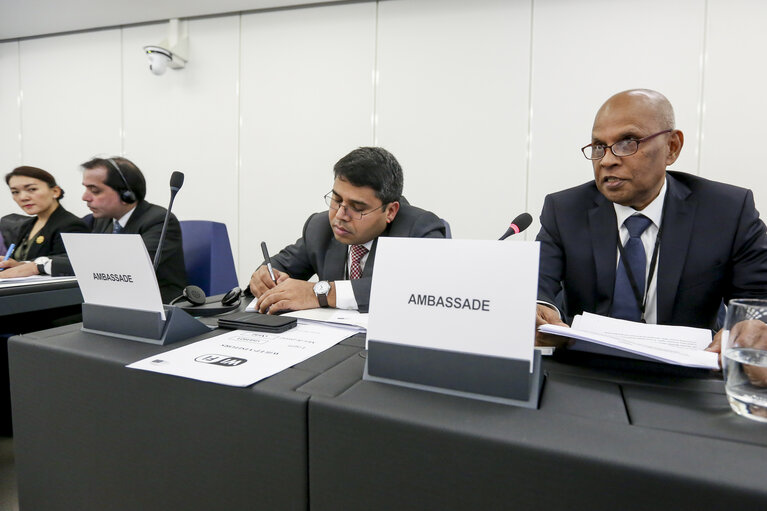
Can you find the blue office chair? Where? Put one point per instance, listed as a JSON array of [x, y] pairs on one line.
[[208, 256], [448, 232]]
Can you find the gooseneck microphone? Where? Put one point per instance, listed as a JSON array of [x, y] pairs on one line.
[[518, 225], [176, 181]]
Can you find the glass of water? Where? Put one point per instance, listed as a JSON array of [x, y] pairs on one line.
[[744, 357]]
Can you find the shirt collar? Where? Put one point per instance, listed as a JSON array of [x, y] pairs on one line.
[[653, 211], [123, 220], [368, 245]]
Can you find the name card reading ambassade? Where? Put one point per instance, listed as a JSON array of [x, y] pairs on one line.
[[468, 296], [114, 270]]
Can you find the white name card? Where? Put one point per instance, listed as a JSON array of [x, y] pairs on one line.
[[114, 270], [465, 296]]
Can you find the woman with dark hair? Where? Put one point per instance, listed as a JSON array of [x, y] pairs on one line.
[[36, 193]]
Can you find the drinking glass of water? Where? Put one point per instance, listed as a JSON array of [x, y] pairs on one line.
[[744, 357]]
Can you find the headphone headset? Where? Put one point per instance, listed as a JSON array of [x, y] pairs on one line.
[[195, 302], [127, 195]]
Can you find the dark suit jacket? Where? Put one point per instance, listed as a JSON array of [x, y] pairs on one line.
[[51, 243], [713, 248], [147, 220], [318, 252]]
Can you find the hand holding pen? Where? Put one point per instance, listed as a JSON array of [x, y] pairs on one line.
[[265, 277], [8, 256], [268, 260]]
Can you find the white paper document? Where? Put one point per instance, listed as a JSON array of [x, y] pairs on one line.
[[351, 319], [242, 357], [33, 279], [677, 345]]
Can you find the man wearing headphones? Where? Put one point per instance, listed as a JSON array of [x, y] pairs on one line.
[[114, 192]]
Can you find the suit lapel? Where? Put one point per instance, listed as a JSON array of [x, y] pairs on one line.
[[678, 217], [604, 234], [134, 221], [368, 270], [335, 260]]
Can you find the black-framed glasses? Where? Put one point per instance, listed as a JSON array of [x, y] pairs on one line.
[[353, 212], [621, 148]]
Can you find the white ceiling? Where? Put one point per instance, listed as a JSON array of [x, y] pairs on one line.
[[28, 18]]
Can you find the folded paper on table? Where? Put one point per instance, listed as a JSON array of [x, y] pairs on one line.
[[676, 345]]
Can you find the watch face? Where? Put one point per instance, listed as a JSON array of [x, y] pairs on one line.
[[321, 288]]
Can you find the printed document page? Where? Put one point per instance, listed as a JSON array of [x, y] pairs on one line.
[[661, 343], [242, 357]]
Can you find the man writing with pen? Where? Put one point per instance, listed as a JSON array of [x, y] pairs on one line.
[[339, 246]]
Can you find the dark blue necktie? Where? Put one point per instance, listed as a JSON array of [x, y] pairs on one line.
[[625, 304], [116, 227]]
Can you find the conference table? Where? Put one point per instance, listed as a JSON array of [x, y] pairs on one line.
[[94, 435], [37, 295]]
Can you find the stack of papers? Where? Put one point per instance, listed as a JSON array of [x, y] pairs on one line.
[[352, 320], [676, 345]]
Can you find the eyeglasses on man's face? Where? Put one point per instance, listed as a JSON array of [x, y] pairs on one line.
[[352, 211], [621, 148]]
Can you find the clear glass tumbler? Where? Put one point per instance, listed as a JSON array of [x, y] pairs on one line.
[[744, 357]]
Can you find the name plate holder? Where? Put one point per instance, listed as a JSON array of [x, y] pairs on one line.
[[439, 327], [487, 378], [141, 325], [121, 297]]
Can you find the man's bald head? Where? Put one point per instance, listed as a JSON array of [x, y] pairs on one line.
[[645, 119], [656, 107]]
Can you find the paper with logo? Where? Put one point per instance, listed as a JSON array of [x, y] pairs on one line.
[[114, 270], [469, 296], [677, 345], [242, 357]]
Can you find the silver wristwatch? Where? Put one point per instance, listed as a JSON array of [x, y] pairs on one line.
[[321, 290], [43, 265]]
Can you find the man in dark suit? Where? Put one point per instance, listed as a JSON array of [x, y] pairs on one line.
[[114, 192], [702, 242], [339, 246]]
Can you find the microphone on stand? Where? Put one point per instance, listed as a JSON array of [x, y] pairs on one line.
[[176, 181], [518, 225]]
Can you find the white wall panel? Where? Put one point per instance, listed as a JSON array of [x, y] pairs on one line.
[[10, 129], [734, 96], [452, 106], [583, 52], [306, 101], [71, 87], [186, 120]]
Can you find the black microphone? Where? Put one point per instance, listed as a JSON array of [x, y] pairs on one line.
[[518, 225], [176, 181]]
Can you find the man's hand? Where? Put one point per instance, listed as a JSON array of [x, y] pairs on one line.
[[716, 344], [10, 263], [19, 270], [546, 315], [261, 281], [751, 333], [292, 295]]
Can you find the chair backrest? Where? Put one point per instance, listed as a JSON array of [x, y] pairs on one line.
[[9, 227], [208, 256], [448, 233]]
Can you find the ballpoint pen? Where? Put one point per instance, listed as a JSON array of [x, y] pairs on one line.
[[268, 261], [8, 254]]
